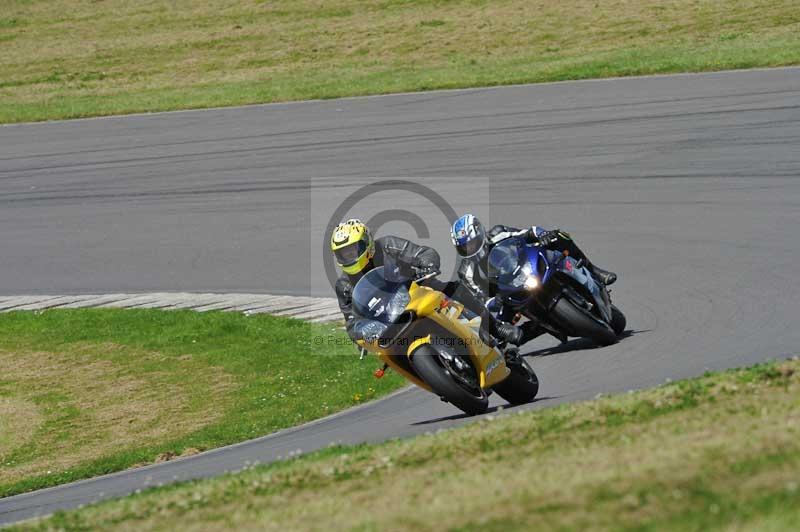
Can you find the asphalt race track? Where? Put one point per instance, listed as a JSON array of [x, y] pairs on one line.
[[687, 186]]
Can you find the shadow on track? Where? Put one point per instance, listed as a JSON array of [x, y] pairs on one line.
[[578, 344], [490, 410]]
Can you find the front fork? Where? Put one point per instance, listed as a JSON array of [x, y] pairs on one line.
[[546, 304]]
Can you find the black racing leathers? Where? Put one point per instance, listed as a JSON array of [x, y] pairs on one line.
[[404, 251]]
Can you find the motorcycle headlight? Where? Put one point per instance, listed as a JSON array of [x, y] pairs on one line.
[[526, 278], [531, 282], [371, 330]]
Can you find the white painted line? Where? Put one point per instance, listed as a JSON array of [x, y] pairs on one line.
[[329, 305], [194, 302], [22, 302], [317, 316], [96, 301], [57, 303], [316, 309], [324, 307], [227, 304], [327, 319], [126, 300]]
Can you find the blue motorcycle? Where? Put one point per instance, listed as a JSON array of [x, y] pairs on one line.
[[554, 289]]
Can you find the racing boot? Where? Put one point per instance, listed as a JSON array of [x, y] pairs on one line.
[[509, 333], [605, 277]]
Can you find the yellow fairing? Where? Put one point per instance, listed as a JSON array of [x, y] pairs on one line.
[[418, 342], [384, 356], [433, 305]]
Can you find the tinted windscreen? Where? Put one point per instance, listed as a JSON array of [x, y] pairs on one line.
[[375, 298], [504, 259]]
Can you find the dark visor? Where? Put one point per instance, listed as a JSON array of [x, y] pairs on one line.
[[470, 248], [349, 254]]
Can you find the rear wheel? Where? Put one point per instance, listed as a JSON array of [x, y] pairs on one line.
[[454, 381], [618, 321], [579, 322], [521, 386]]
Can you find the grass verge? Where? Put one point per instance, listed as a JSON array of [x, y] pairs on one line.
[[70, 58], [86, 392], [720, 452]]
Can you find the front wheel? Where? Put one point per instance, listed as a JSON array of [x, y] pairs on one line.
[[618, 321], [521, 386], [579, 322], [458, 386]]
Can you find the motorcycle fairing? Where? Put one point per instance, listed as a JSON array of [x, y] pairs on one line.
[[571, 267], [430, 314], [489, 362]]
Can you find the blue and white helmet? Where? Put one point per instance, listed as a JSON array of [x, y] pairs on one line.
[[468, 236]]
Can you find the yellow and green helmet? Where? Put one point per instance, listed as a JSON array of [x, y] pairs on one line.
[[352, 245]]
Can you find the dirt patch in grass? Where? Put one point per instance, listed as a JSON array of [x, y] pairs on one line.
[[93, 400], [72, 58], [19, 420], [718, 452], [109, 389]]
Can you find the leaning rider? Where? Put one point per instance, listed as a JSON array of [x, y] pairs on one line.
[[357, 253], [473, 244]]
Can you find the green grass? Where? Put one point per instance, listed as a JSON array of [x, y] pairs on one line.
[[720, 452], [68, 58], [85, 392]]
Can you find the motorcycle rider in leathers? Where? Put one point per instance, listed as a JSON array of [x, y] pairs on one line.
[[357, 253], [473, 244]]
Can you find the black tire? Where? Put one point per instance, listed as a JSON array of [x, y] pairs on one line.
[[425, 361], [521, 386], [578, 322], [618, 320]]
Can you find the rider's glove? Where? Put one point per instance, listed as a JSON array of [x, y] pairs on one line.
[[422, 267], [420, 263], [547, 238]]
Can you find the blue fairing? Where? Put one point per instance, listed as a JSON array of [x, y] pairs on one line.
[[512, 261], [539, 263], [570, 267]]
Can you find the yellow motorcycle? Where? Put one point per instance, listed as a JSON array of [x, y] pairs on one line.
[[433, 342]]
